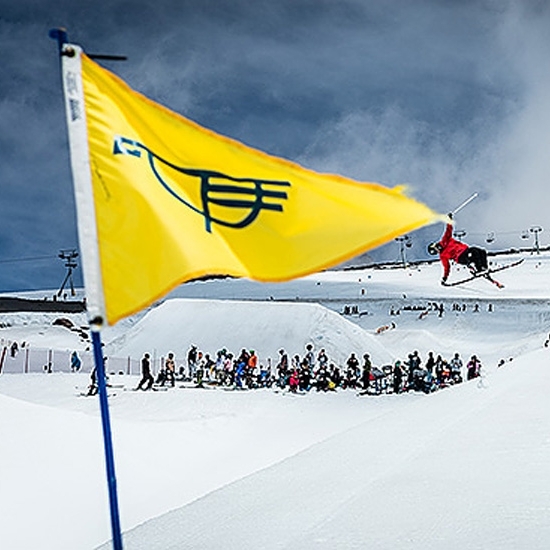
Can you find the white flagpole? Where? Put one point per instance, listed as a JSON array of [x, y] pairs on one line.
[[82, 179], [87, 235]]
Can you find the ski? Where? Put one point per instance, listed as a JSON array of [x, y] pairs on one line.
[[487, 275]]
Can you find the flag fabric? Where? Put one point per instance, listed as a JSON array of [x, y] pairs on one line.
[[174, 202]]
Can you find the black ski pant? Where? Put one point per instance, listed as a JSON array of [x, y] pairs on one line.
[[146, 383], [476, 256]]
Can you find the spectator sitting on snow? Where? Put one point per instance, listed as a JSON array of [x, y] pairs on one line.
[[305, 378], [322, 378], [161, 376], [335, 377], [293, 381], [209, 367]]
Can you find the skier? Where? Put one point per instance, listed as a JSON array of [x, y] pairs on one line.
[[449, 249]]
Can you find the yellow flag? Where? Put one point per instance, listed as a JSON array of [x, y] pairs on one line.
[[175, 201]]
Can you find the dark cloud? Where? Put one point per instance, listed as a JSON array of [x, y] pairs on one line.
[[450, 97]]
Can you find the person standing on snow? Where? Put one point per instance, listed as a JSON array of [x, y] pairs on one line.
[[170, 370], [76, 363], [92, 388], [365, 375], [455, 364], [310, 357], [322, 358], [147, 380], [473, 368], [449, 249], [352, 372], [430, 362], [397, 377]]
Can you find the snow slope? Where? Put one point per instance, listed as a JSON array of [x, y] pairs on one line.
[[466, 467], [263, 326]]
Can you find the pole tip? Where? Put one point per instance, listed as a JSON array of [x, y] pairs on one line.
[[96, 323], [59, 34]]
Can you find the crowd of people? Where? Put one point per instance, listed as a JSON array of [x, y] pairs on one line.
[[311, 371]]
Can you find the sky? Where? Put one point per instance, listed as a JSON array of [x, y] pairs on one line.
[[449, 97]]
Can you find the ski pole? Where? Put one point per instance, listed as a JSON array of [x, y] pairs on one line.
[[466, 202]]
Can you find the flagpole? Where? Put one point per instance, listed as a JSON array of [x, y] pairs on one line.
[[107, 437], [87, 236]]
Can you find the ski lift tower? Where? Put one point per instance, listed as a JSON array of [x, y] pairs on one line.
[[404, 243], [536, 229], [69, 256]]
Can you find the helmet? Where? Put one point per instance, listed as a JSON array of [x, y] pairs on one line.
[[434, 248]]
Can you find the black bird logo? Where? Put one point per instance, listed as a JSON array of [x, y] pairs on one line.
[[247, 195]]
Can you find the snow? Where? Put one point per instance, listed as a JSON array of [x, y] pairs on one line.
[[465, 467], [178, 323]]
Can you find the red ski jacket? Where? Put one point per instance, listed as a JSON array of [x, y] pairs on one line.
[[451, 249]]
